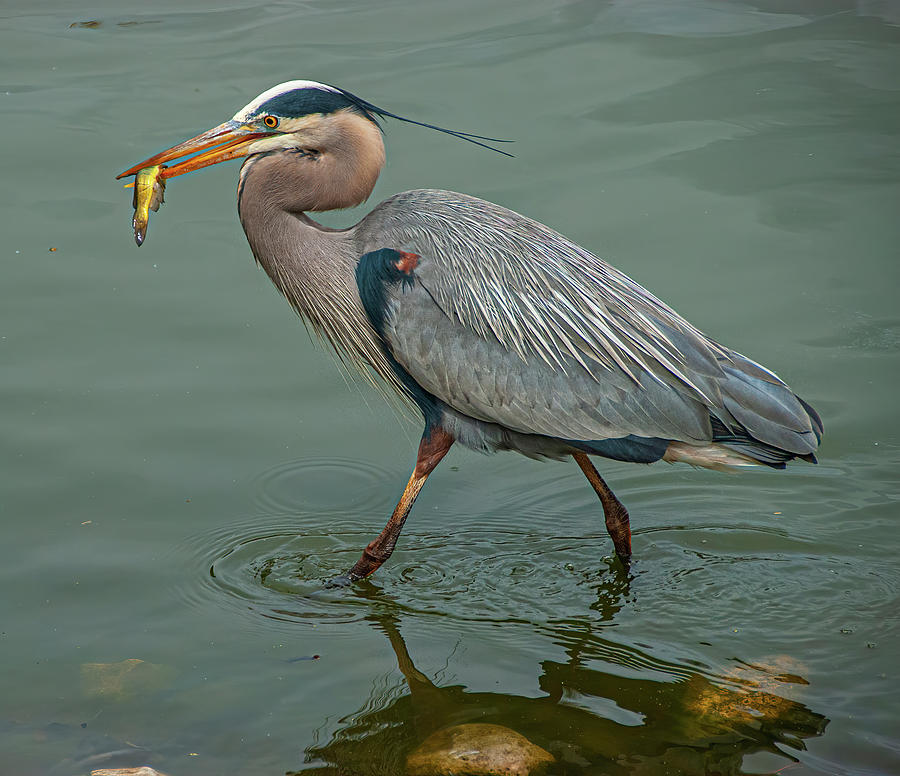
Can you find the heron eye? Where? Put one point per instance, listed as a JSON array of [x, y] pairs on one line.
[[271, 122]]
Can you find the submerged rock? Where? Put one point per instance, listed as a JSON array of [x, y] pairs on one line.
[[760, 691], [477, 750], [124, 679]]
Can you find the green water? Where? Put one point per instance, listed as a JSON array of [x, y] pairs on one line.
[[181, 466]]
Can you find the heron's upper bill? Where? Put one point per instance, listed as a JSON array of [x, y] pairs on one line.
[[230, 140]]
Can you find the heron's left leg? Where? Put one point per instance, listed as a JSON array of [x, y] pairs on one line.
[[433, 447], [617, 522]]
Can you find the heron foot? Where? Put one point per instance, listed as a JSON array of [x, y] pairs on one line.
[[342, 580], [619, 529]]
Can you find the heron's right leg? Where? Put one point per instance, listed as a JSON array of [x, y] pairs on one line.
[[433, 447], [617, 521]]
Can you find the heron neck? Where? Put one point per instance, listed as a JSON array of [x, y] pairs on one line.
[[314, 267]]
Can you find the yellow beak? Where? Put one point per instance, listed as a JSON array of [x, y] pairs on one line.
[[230, 140]]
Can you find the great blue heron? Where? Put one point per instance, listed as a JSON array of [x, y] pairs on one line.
[[504, 334]]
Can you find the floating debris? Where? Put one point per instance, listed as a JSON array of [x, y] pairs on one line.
[[301, 657]]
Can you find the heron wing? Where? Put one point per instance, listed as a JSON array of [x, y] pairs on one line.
[[510, 322], [481, 378]]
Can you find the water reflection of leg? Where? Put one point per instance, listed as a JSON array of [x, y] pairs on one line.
[[617, 521], [606, 706], [613, 591]]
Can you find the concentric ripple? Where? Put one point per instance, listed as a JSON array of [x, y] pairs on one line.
[[333, 484], [269, 568]]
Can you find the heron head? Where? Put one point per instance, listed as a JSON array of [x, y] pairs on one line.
[[296, 116], [301, 117]]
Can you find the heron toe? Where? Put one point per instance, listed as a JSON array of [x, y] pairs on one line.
[[342, 580]]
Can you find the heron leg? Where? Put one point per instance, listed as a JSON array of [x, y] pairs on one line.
[[433, 447], [617, 522]]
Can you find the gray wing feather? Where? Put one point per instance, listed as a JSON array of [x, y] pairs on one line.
[[481, 378], [510, 322]]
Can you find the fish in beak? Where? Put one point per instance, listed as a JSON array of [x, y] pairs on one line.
[[230, 140], [149, 188]]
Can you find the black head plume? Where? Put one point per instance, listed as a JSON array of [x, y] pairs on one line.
[[373, 112]]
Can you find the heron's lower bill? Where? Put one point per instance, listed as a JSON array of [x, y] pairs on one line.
[[149, 187]]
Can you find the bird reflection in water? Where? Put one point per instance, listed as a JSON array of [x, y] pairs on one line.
[[658, 716]]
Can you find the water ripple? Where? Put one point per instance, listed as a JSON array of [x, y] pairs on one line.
[[267, 568], [533, 555], [276, 568], [327, 483]]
